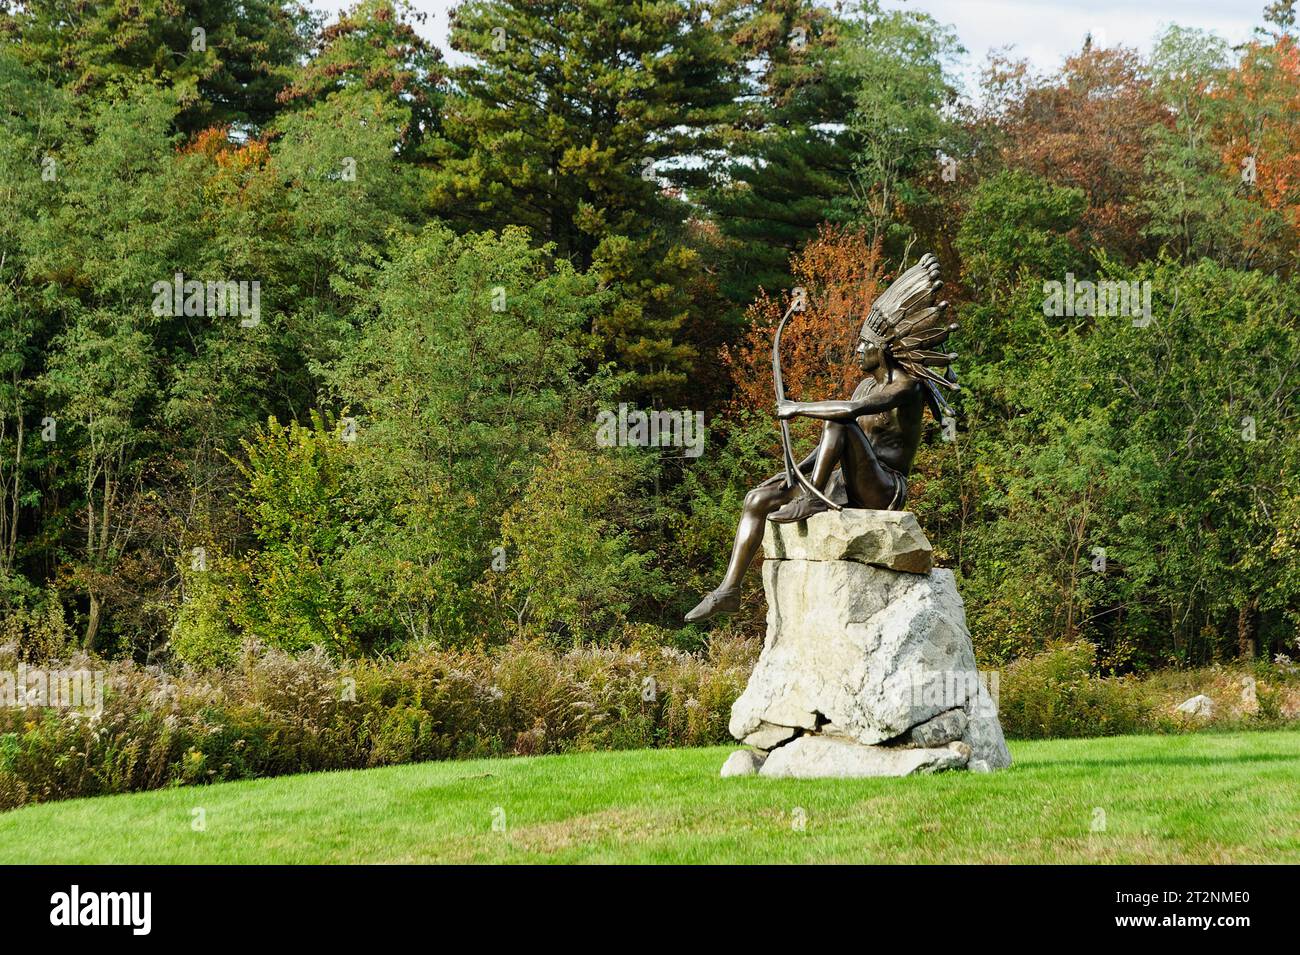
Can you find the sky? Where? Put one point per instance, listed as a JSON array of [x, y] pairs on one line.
[[1046, 31], [1042, 31]]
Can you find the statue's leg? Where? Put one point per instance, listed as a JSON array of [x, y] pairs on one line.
[[759, 503], [825, 460], [828, 453]]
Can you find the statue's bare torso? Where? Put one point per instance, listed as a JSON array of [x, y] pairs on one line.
[[896, 433]]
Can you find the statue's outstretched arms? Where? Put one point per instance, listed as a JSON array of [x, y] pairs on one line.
[[882, 399]]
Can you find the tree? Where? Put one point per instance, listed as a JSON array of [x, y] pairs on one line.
[[839, 275], [33, 119], [1132, 491], [227, 59], [98, 256], [788, 165], [1017, 221], [374, 47], [461, 366], [1256, 108], [1088, 127], [569, 567], [291, 591], [578, 121], [895, 66], [1197, 204]]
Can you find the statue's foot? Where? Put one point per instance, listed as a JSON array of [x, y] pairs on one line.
[[720, 601], [800, 509]]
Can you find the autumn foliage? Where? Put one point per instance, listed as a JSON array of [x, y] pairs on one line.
[[1265, 89], [1086, 126], [840, 272]]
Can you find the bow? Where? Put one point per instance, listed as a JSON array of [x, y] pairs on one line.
[[792, 472]]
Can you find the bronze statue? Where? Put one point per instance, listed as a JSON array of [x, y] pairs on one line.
[[868, 442]]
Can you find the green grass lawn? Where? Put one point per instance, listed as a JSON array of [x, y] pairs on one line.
[[1193, 798]]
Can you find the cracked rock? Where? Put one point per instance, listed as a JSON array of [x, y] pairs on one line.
[[859, 655]]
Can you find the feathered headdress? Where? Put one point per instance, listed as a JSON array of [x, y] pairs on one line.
[[906, 323]]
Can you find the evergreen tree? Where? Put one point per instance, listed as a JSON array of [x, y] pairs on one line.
[[844, 118], [789, 163], [229, 58], [584, 121], [374, 47]]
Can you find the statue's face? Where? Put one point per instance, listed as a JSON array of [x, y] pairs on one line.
[[869, 355]]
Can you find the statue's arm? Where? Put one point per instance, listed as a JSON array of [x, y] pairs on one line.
[[882, 399]]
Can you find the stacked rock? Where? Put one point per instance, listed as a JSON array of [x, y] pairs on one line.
[[867, 668]]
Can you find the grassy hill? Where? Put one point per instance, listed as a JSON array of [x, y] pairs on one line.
[[1195, 798]]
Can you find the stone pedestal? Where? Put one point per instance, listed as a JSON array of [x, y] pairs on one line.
[[867, 668]]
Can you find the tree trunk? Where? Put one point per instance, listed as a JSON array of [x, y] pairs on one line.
[[92, 623], [1246, 630]]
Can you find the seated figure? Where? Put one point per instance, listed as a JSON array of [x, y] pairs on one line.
[[867, 442]]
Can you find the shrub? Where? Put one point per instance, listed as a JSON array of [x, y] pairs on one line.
[[570, 546], [203, 634], [274, 713], [1054, 694], [37, 630]]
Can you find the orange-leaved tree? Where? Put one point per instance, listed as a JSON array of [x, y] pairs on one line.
[[1086, 126], [1259, 137], [840, 274]]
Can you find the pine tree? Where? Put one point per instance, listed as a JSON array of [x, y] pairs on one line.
[[374, 46], [789, 165], [229, 58], [585, 121]]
